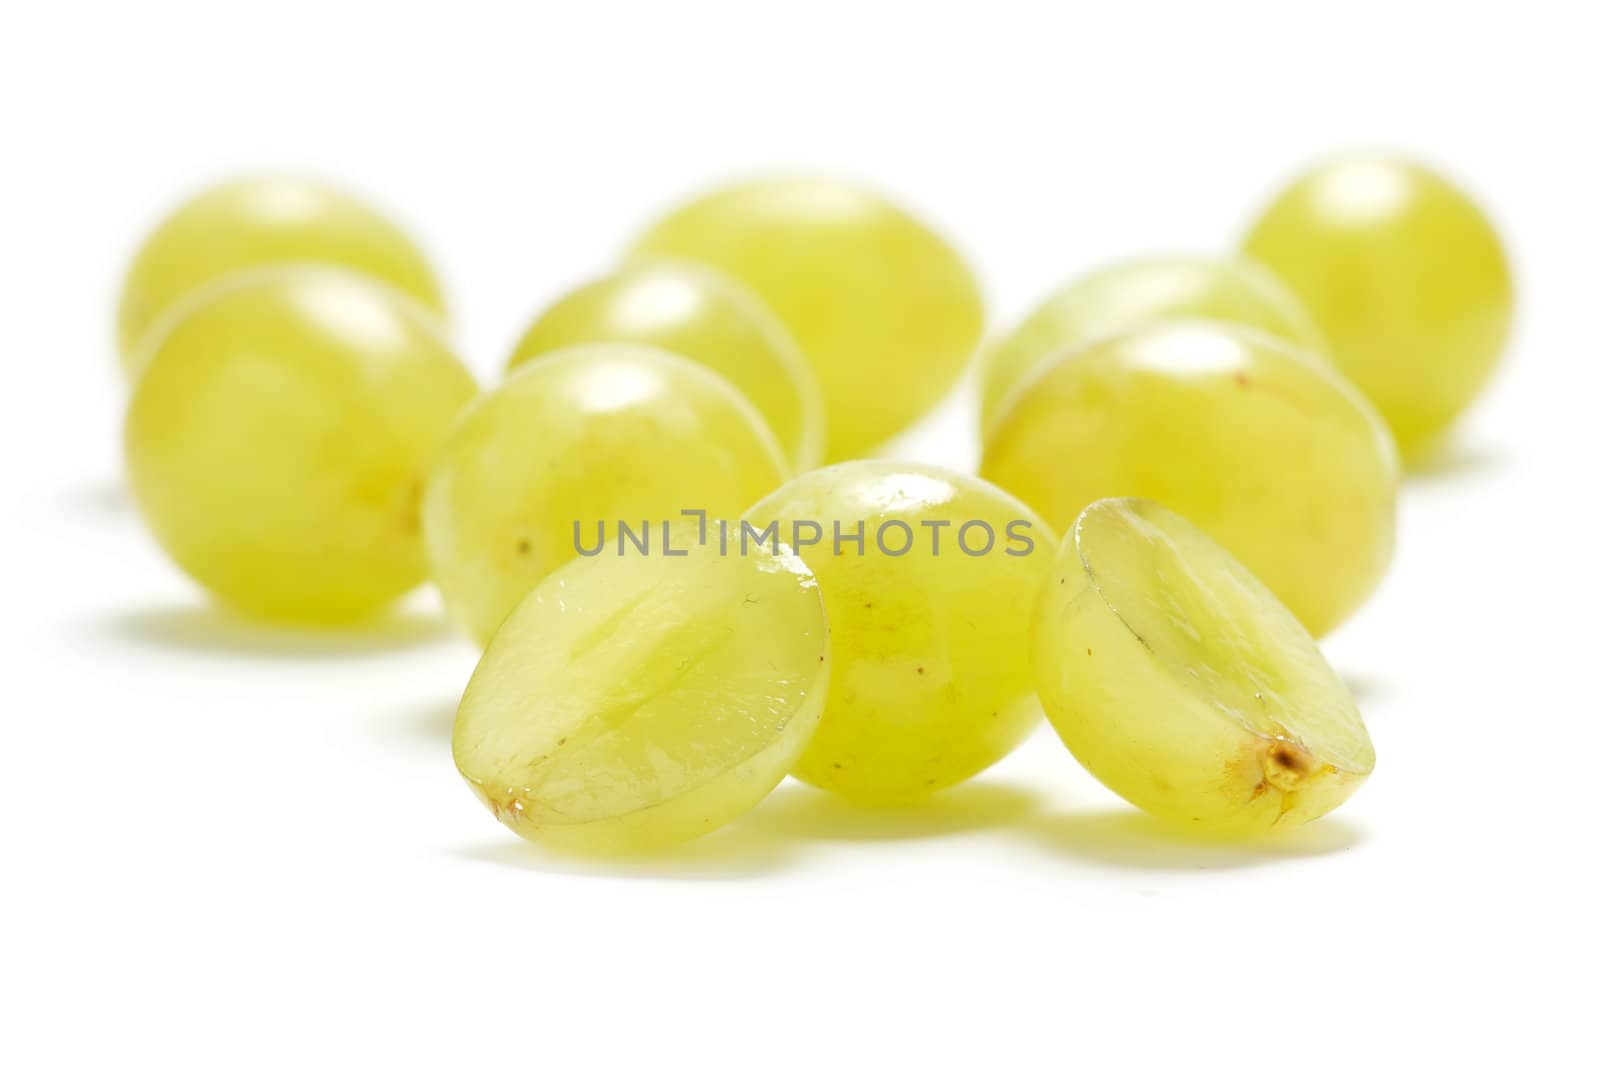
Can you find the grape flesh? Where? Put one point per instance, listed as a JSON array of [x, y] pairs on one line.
[[1135, 293], [634, 702], [1404, 275], [1183, 684], [695, 312], [886, 312], [931, 682], [255, 222], [277, 441], [597, 433], [1265, 448]]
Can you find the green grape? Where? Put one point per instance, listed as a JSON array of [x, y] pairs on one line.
[[1407, 280], [1266, 449], [1131, 294], [603, 433], [1183, 684], [695, 312], [256, 222], [927, 577], [638, 701], [277, 440], [887, 313]]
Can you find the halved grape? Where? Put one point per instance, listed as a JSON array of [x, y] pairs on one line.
[[1117, 298], [693, 311], [595, 434], [638, 701], [255, 222], [276, 443], [928, 577], [886, 312], [1265, 448], [1406, 278], [1182, 683]]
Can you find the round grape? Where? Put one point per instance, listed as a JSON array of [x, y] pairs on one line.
[[695, 312], [1266, 448], [886, 312], [255, 222], [277, 440], [1406, 278]]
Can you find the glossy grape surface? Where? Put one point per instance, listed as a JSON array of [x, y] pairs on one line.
[[596, 433], [277, 441], [930, 678], [634, 702], [1183, 684], [1266, 449], [696, 312], [1136, 293], [255, 222], [886, 312], [1406, 278]]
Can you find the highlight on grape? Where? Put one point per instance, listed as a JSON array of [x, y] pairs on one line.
[[892, 537]]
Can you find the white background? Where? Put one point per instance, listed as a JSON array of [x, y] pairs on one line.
[[224, 845]]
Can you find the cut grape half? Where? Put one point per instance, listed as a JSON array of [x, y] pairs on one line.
[[634, 702], [1182, 683]]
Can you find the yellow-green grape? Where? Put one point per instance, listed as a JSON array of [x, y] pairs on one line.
[[1135, 293], [252, 223], [1265, 448], [695, 312], [928, 578], [886, 312], [634, 702], [1405, 277], [572, 445], [1183, 684], [278, 438]]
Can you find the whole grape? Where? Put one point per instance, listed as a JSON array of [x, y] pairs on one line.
[[1264, 447], [886, 312], [254, 222], [694, 311], [928, 578], [1406, 278], [1115, 298], [277, 440], [571, 445]]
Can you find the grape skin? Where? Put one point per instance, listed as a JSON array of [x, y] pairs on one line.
[[277, 441], [931, 682], [1135, 293], [693, 311], [1406, 278], [255, 222], [886, 312], [1178, 680], [1266, 449], [635, 702], [601, 432]]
